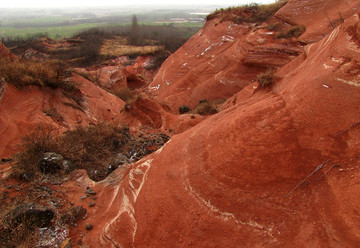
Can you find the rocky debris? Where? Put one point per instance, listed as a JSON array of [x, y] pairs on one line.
[[79, 213], [118, 160], [89, 191], [91, 204], [31, 215]]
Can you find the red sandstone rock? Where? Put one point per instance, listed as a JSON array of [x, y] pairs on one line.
[[223, 57], [234, 180]]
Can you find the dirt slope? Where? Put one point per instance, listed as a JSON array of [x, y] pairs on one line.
[[237, 178]]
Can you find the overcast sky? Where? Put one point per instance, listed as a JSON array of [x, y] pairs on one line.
[[85, 3]]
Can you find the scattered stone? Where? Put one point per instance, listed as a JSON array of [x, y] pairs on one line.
[[193, 117], [79, 213], [127, 107], [91, 204], [51, 162], [83, 197], [67, 166], [31, 214], [88, 226], [90, 192]]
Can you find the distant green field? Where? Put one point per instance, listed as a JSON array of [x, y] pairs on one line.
[[54, 32], [59, 32]]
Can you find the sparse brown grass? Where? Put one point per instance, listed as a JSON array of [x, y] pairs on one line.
[[250, 13], [118, 47], [91, 148], [54, 74]]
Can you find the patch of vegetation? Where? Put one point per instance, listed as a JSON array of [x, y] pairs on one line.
[[205, 108], [265, 79], [294, 31], [184, 109], [250, 13], [34, 146], [92, 148]]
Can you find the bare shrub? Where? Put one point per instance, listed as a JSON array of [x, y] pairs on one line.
[[265, 79], [205, 108], [32, 151], [294, 31], [90, 148]]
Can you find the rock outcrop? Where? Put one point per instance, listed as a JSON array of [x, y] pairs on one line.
[[278, 167]]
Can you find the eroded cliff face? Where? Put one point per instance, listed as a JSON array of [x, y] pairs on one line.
[[278, 167], [224, 57]]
